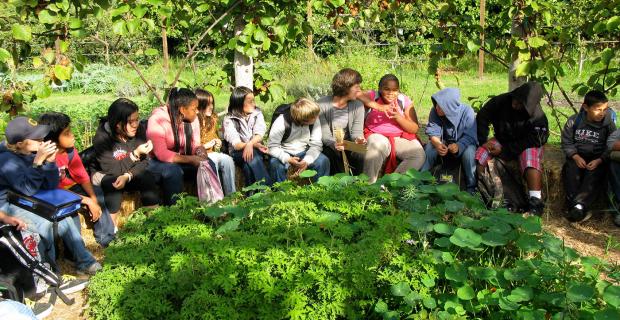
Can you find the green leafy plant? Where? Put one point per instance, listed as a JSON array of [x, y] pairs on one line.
[[341, 248]]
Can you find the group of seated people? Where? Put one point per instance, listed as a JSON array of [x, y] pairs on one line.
[[155, 160]]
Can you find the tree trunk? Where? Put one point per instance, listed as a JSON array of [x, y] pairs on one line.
[[244, 65], [57, 49], [517, 31], [480, 51], [310, 38], [164, 44]]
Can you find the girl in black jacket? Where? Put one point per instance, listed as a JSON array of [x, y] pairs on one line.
[[122, 153]]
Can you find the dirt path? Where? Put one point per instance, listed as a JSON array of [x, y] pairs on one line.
[[597, 237]]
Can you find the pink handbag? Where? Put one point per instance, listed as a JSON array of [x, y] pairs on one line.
[[209, 188]]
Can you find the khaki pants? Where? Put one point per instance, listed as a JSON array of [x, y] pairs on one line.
[[411, 154]]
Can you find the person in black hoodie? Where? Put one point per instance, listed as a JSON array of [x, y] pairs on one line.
[[521, 129], [584, 142], [121, 150]]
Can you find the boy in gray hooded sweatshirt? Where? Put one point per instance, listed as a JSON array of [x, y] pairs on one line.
[[584, 141], [451, 130]]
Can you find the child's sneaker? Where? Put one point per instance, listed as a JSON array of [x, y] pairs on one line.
[[90, 271], [40, 310], [536, 206], [576, 215], [72, 284]]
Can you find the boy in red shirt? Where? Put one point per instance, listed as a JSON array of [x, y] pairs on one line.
[[73, 176]]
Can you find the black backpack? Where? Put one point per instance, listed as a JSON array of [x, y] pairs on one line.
[[18, 266], [285, 110], [500, 186]]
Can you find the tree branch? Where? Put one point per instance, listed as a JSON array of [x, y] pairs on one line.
[[494, 56], [135, 67], [202, 36]]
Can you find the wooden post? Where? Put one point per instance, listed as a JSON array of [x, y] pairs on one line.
[[480, 51], [164, 44], [310, 38]]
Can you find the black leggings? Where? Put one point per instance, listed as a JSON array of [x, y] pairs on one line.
[[144, 183]]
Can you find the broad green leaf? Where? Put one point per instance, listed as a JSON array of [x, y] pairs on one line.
[[328, 218], [381, 307], [307, 173], [61, 72], [229, 226], [466, 238], [429, 303], [612, 296], [119, 28], [472, 46], [517, 274], [443, 228], [607, 55], [252, 52], [49, 56], [532, 225], [124, 8], [494, 239], [521, 294], [259, 34], [266, 44], [36, 62], [427, 281], [140, 10], [64, 46], [400, 289], [465, 293], [523, 69], [600, 27], [46, 17], [133, 25], [456, 273], [412, 298], [5, 55], [528, 243], [454, 206], [579, 292], [18, 97], [613, 23], [22, 32], [41, 90], [75, 23], [482, 273], [607, 314], [508, 305], [151, 52], [537, 42]]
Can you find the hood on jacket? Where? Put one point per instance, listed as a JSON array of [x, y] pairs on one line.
[[253, 114], [529, 94], [449, 99]]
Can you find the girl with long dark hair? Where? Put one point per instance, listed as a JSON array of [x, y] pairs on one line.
[[244, 128], [175, 133], [122, 153]]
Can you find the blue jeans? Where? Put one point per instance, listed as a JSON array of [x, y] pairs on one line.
[[67, 231], [254, 170], [468, 161], [170, 176], [103, 229], [225, 168], [278, 169]]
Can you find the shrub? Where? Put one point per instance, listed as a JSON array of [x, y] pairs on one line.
[[97, 78], [344, 249]]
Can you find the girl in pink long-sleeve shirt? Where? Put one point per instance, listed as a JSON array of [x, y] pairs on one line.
[[175, 133]]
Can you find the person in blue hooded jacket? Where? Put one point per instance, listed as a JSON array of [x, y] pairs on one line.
[[452, 132]]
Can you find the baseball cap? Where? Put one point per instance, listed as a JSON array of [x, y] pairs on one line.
[[22, 128]]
